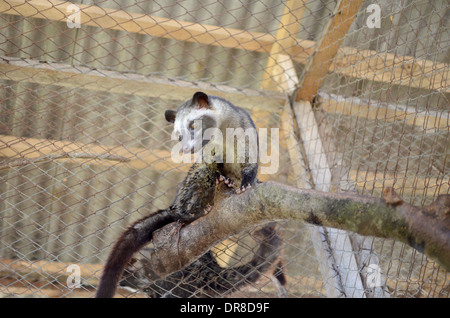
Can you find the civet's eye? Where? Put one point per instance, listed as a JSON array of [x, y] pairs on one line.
[[192, 125], [180, 138]]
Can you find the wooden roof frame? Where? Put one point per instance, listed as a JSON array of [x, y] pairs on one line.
[[369, 63]]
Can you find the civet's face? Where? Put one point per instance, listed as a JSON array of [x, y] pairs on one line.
[[191, 120]]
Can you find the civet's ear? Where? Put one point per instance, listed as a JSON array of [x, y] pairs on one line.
[[201, 100], [170, 115]]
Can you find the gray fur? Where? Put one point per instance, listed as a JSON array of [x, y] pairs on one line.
[[222, 114]]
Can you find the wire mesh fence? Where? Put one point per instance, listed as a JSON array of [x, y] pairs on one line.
[[85, 149]]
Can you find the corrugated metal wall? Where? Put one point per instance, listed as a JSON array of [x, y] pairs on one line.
[[71, 211]]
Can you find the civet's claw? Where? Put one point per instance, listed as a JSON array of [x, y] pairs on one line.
[[243, 189], [208, 209], [225, 180]]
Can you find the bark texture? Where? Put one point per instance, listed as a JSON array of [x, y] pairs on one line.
[[427, 229]]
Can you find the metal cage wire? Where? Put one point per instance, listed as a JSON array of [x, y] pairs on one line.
[[85, 149]]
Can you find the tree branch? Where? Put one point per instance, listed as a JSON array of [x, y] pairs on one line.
[[427, 229]]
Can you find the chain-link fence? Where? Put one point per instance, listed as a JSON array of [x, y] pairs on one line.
[[358, 88]]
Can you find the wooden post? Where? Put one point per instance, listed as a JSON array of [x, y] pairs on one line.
[[274, 75], [327, 48], [333, 247], [347, 279]]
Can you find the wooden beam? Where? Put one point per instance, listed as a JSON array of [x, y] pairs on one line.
[[285, 39], [30, 149], [48, 73], [354, 106], [339, 263], [333, 247], [38, 270], [114, 19], [309, 132], [326, 48], [49, 279], [363, 258], [404, 185], [140, 158], [26, 278], [366, 64], [331, 281], [12, 147], [48, 271], [380, 67], [392, 69], [50, 291], [288, 128]]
